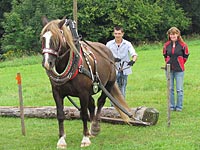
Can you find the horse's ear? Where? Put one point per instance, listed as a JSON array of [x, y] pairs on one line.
[[44, 20], [64, 17], [61, 23]]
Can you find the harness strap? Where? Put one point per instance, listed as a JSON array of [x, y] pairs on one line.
[[114, 101], [50, 51], [84, 71], [89, 54], [89, 66]]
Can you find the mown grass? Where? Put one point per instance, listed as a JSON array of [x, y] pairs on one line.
[[146, 87]]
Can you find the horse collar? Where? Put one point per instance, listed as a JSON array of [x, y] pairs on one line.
[[71, 70]]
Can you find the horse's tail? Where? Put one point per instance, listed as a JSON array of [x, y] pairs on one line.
[[116, 93]]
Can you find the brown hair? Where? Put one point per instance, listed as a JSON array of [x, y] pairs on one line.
[[118, 28], [175, 30]]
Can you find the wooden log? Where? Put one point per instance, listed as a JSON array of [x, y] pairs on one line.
[[108, 114]]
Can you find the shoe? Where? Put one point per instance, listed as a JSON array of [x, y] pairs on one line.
[[172, 109], [178, 109]]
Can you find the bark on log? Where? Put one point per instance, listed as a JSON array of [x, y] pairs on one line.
[[108, 114]]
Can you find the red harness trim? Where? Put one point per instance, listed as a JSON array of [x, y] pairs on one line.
[[79, 63], [70, 63], [69, 66]]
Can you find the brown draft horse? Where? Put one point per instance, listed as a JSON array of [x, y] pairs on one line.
[[63, 62]]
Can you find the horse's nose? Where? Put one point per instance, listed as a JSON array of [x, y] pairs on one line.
[[46, 63]]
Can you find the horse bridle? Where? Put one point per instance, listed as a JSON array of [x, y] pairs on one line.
[[54, 52], [50, 51]]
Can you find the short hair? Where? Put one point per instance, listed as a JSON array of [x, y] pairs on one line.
[[118, 28]]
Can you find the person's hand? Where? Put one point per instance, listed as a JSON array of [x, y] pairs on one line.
[[130, 63], [117, 59]]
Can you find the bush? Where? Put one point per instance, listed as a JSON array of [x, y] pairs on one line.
[[142, 20]]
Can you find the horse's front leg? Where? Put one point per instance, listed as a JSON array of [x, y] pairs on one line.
[[61, 142], [60, 117], [84, 116]]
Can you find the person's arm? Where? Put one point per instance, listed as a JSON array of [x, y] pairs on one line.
[[185, 54], [131, 62], [164, 52], [134, 58]]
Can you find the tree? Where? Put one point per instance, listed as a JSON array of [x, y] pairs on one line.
[[172, 15], [191, 7], [143, 20], [138, 19], [5, 6], [23, 24]]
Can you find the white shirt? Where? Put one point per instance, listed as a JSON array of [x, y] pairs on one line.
[[122, 52]]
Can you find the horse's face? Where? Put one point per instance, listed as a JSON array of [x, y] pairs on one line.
[[52, 41], [49, 50]]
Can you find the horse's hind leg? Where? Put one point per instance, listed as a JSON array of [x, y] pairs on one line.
[[95, 126], [91, 107]]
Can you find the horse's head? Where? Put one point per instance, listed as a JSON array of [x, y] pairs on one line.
[[56, 40]]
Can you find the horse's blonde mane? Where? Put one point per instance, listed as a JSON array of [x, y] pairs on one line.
[[57, 35]]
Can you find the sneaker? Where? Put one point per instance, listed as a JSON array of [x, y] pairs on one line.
[[172, 109], [178, 109]]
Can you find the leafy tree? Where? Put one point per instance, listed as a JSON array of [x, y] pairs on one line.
[[138, 18], [23, 24], [172, 15], [143, 20], [191, 8], [5, 6]]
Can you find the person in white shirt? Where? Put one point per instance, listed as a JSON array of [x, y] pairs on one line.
[[122, 50]]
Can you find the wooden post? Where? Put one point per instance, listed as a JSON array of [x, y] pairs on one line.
[[168, 95], [75, 13], [18, 78]]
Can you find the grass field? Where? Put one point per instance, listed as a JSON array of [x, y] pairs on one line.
[[146, 87]]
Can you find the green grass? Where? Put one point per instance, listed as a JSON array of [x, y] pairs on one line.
[[146, 87]]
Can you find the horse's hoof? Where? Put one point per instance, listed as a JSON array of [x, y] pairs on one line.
[[61, 143], [85, 142], [63, 147], [94, 132], [95, 128]]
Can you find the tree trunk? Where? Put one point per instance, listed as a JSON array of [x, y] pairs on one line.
[[108, 114]]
